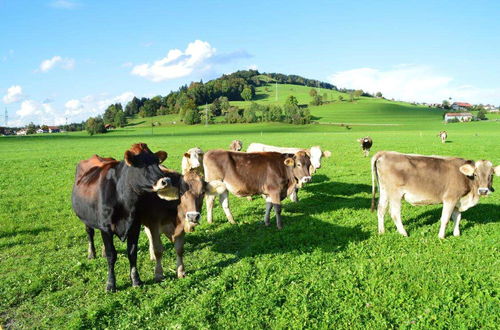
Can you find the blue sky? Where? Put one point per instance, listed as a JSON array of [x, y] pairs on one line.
[[70, 59]]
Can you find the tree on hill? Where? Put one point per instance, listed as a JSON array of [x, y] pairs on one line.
[[95, 125], [250, 113], [446, 104], [357, 93], [275, 113], [233, 115], [188, 105], [341, 98], [378, 94], [31, 128], [110, 113], [313, 92], [246, 94], [133, 107], [317, 100], [192, 116], [481, 115], [44, 128]]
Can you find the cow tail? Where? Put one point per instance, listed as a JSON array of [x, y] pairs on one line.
[[374, 180]]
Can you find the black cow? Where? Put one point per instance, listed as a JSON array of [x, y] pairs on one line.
[[105, 196]]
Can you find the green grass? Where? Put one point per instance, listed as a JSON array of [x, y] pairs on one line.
[[326, 269]]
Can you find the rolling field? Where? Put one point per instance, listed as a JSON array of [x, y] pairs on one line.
[[327, 268]]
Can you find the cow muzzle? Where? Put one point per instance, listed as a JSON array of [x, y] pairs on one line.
[[192, 220], [162, 184], [305, 179], [483, 191]]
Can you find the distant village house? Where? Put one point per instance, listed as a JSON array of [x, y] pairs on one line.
[[460, 116], [109, 126], [461, 106]]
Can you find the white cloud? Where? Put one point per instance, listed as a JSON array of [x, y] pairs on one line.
[[64, 4], [177, 63], [29, 108], [252, 67], [413, 83], [93, 105], [14, 94], [64, 63]]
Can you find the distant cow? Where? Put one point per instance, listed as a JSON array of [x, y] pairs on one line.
[[193, 159], [422, 180], [172, 217], [443, 135], [105, 197], [366, 143], [271, 174], [236, 145], [314, 153]]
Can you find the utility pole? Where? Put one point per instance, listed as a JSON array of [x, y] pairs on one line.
[[6, 117], [276, 90]]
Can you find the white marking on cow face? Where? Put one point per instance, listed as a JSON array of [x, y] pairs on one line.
[[316, 156], [161, 184]]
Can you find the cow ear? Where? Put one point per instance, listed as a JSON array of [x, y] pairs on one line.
[[187, 155], [497, 170], [162, 155], [327, 153], [129, 158], [467, 169], [289, 162]]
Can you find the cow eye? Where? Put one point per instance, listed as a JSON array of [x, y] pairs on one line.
[[299, 165]]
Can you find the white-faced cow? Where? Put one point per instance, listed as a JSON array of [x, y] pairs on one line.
[[271, 174], [172, 212], [423, 180], [236, 145], [314, 153], [193, 159], [366, 143], [443, 135], [105, 196]]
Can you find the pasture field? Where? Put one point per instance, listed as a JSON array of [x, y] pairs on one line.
[[328, 267]]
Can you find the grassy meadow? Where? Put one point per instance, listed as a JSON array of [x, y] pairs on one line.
[[327, 268]]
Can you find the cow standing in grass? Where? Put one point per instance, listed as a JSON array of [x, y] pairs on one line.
[[271, 174], [172, 212], [366, 144], [423, 180], [105, 196], [192, 160], [236, 145], [443, 135]]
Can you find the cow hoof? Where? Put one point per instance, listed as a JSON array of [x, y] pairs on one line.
[[110, 287], [441, 236], [181, 274], [456, 233]]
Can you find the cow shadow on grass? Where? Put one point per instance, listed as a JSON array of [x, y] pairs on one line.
[[31, 232], [479, 214], [300, 234]]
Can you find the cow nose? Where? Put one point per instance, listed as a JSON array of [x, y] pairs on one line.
[[307, 179], [165, 181], [483, 191], [193, 216]]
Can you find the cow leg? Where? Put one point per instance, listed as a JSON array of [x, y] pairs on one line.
[[457, 216], [210, 207], [157, 247], [277, 210], [132, 239], [111, 256], [445, 217], [90, 236], [224, 201], [151, 243], [179, 250], [395, 206], [269, 206], [381, 209]]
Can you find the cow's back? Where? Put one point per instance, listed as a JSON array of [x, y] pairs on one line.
[[432, 176], [259, 147]]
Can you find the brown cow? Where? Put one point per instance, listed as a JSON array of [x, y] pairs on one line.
[[366, 143], [172, 217], [192, 159], [236, 145], [422, 180], [271, 174], [443, 135]]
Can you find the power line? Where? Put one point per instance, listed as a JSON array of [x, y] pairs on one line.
[[6, 117]]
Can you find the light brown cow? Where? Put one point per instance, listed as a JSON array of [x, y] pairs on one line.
[[173, 217], [366, 143], [236, 145], [271, 174], [192, 159], [423, 180], [443, 135]]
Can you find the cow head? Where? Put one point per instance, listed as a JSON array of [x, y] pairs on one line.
[[236, 145], [195, 157], [300, 164], [482, 173], [145, 174], [191, 191], [315, 154]]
